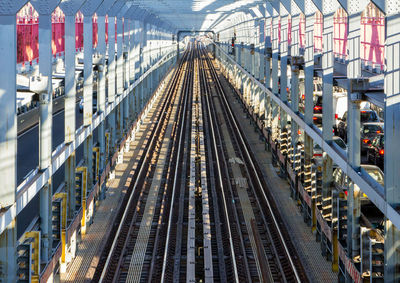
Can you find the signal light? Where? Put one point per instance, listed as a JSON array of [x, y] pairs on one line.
[[382, 152], [365, 140], [317, 107], [314, 118], [378, 132], [303, 96]]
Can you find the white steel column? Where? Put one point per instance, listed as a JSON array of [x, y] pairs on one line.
[[8, 140], [284, 57], [119, 75], [120, 60], [353, 132], [327, 108], [70, 107], [309, 11], [268, 48], [45, 132], [295, 70], [88, 94], [126, 50], [274, 74], [111, 77], [392, 136]]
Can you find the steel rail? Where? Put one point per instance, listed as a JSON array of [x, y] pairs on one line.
[[253, 167], [181, 136], [221, 181], [162, 113]]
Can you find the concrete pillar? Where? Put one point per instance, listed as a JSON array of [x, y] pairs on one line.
[[45, 133], [88, 94], [8, 142], [392, 138]]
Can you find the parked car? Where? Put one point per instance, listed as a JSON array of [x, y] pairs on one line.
[[342, 182], [368, 132], [376, 151], [366, 116]]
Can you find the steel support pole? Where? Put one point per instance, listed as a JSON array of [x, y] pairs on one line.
[[274, 74], [327, 106], [132, 50], [120, 59], [295, 107], [8, 142], [309, 69], [261, 51], [392, 138], [295, 70], [127, 49], [295, 44], [308, 96], [254, 49], [268, 45], [120, 86], [88, 95], [101, 97], [354, 158], [283, 77], [70, 108], [45, 134], [111, 78], [138, 50]]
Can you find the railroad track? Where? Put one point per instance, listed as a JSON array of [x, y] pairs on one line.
[[125, 258], [198, 209], [265, 253]]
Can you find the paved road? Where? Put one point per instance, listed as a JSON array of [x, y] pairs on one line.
[[28, 160]]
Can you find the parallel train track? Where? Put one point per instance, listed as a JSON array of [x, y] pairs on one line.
[[198, 207]]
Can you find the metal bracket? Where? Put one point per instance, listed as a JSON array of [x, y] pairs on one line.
[[297, 61], [360, 85], [268, 52]]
